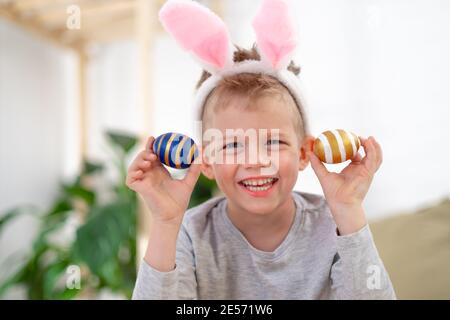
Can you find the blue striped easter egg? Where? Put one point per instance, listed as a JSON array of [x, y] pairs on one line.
[[175, 150]]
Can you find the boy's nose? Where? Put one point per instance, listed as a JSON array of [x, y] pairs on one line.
[[256, 159]]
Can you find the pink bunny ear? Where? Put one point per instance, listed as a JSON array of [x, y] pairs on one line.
[[276, 36], [199, 30]]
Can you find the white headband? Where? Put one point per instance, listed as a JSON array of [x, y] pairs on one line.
[[202, 33]]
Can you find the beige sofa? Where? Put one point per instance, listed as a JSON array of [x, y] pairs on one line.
[[415, 248]]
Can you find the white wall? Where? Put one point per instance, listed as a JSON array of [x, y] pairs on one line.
[[113, 96], [34, 105], [112, 93]]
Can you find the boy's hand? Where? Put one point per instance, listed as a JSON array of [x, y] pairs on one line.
[[167, 198], [345, 191]]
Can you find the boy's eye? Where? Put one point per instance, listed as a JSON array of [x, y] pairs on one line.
[[231, 145], [274, 141]]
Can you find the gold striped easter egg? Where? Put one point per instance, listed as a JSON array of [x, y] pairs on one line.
[[336, 146]]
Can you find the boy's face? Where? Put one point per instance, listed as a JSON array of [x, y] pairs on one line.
[[276, 154]]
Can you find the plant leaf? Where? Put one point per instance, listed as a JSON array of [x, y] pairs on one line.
[[51, 276], [99, 239], [124, 141], [204, 190], [78, 191], [90, 167], [14, 213]]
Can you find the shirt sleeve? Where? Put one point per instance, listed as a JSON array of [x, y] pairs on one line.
[[179, 283], [358, 272]]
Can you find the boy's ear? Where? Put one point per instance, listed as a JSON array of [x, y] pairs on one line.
[[206, 168], [306, 145]]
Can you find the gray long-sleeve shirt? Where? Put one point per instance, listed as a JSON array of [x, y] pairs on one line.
[[215, 261]]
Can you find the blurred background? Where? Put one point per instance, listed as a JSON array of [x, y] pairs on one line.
[[84, 82]]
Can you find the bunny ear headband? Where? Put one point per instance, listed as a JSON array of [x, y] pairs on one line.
[[201, 32]]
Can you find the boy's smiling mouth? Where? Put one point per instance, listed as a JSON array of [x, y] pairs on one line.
[[258, 186]]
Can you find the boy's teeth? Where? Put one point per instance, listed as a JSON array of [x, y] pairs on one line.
[[258, 182], [252, 188], [258, 185]]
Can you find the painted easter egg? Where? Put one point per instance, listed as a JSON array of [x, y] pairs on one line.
[[336, 146], [175, 150]]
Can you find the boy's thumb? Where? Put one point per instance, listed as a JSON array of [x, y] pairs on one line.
[[317, 165], [192, 174]]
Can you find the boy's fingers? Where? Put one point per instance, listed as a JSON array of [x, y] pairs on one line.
[[192, 175], [133, 176], [357, 157], [198, 159], [362, 140], [379, 153], [138, 163], [317, 165], [147, 156], [143, 156], [149, 162], [370, 160], [137, 174], [144, 165], [133, 166], [149, 144]]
